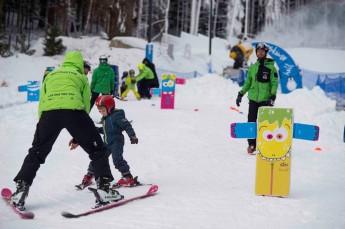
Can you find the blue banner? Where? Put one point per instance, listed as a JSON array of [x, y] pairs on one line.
[[334, 86], [287, 67]]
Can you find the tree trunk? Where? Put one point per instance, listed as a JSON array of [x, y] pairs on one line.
[[140, 12], [166, 22], [120, 18], [215, 17], [68, 13], [87, 24], [197, 18], [2, 23], [192, 17]]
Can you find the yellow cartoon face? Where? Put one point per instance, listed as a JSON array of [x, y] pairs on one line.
[[274, 142]]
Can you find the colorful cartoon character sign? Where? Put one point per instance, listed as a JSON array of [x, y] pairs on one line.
[[274, 136], [274, 141], [274, 132], [168, 91]]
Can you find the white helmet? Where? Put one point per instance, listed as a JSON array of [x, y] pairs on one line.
[[103, 59]]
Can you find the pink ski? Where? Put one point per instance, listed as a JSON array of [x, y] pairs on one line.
[[152, 191], [6, 194]]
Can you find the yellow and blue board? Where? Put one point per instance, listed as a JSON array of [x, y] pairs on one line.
[[274, 132], [273, 160]]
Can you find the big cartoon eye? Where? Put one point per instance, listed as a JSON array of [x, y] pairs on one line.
[[268, 135], [170, 83], [165, 84], [280, 134]]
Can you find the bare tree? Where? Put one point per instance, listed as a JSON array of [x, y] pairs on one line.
[[87, 24], [235, 15]]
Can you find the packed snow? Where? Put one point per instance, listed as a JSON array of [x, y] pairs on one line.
[[206, 179]]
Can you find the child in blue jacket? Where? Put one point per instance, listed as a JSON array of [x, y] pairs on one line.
[[114, 122]]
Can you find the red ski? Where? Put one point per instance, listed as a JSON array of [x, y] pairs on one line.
[[6, 194], [152, 191]]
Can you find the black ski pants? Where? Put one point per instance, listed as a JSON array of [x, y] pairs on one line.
[[253, 114], [94, 96], [116, 151], [144, 86], [83, 130]]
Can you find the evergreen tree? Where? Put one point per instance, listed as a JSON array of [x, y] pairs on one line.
[[53, 45]]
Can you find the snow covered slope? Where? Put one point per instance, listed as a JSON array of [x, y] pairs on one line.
[[206, 178]]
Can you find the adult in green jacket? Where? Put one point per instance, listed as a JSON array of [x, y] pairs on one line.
[[61, 88], [64, 103], [102, 82], [261, 84], [145, 81]]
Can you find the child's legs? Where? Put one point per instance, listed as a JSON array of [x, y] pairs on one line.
[[124, 94], [135, 92], [119, 162], [90, 140]]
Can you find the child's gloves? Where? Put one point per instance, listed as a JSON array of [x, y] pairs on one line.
[[134, 140]]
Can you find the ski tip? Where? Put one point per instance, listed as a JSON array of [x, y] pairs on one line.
[[153, 189], [77, 187], [6, 192], [68, 215], [27, 215]]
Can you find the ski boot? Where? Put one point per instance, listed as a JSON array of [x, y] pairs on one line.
[[251, 150], [87, 181], [104, 195], [127, 181], [19, 196]]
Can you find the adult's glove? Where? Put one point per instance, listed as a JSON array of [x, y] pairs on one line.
[[271, 100], [239, 99], [134, 140]]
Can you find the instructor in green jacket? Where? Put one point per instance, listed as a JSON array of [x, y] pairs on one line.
[[261, 84], [103, 80], [64, 103], [145, 80]]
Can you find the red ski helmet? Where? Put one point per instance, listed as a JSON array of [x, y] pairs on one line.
[[106, 101]]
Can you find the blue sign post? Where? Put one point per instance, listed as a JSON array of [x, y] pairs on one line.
[[149, 52], [287, 67], [116, 79], [32, 89]]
